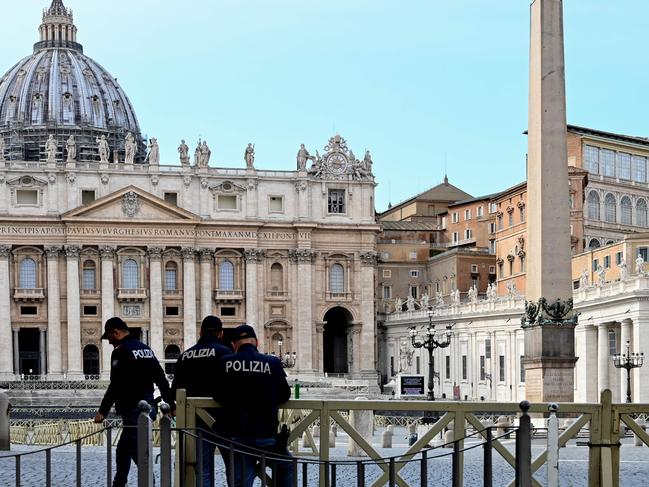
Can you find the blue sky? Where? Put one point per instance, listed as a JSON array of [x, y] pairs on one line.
[[423, 84]]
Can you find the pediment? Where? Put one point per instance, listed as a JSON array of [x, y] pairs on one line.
[[131, 204]]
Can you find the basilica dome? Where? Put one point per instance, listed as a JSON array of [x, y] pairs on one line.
[[60, 91]]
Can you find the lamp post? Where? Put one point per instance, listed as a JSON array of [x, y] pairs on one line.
[[628, 361], [430, 341], [288, 359]]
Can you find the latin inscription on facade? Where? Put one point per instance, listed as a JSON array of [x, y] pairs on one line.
[[132, 310]]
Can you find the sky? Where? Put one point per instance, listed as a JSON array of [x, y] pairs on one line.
[[429, 86]]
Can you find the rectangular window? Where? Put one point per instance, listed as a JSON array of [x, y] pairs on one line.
[[510, 217], [575, 284], [493, 207], [479, 212], [487, 348], [418, 365], [227, 202], [391, 366], [414, 273], [456, 217], [467, 214], [522, 264], [28, 197], [464, 368], [275, 204], [448, 367], [500, 222], [482, 367], [492, 269], [228, 311], [171, 279], [90, 310], [474, 268], [591, 159], [414, 292], [387, 292], [500, 269], [171, 311], [492, 247], [595, 265], [387, 273], [607, 162], [413, 255], [456, 237], [501, 368], [607, 261], [521, 211], [87, 196], [623, 165], [336, 201], [171, 198], [612, 342], [385, 255], [522, 372], [89, 279], [468, 233], [639, 169], [644, 253], [29, 310], [492, 228], [475, 281]]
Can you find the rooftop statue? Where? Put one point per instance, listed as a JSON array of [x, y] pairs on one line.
[[302, 157], [153, 156], [202, 154], [71, 147], [2, 149], [104, 150], [249, 156], [50, 149], [640, 265], [130, 147], [183, 150]]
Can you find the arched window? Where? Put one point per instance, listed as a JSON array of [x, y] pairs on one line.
[[593, 205], [130, 274], [337, 279], [626, 209], [276, 277], [171, 276], [172, 352], [90, 361], [226, 276], [609, 208], [593, 244], [89, 275], [641, 213], [28, 274]]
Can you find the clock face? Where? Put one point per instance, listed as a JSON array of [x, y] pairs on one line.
[[337, 163]]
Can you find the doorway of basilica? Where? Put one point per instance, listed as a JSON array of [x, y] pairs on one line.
[[335, 341]]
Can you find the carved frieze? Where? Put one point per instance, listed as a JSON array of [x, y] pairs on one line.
[[254, 256], [302, 256]]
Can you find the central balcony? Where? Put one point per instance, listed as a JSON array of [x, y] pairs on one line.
[[228, 295], [29, 294], [132, 294]]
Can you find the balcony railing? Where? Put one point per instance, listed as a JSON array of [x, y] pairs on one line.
[[276, 294], [173, 293], [89, 292], [228, 294], [344, 296], [29, 294], [132, 294]]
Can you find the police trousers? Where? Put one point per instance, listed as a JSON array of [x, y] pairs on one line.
[[127, 446], [246, 464]]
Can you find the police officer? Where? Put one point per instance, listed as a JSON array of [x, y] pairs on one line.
[[250, 386], [134, 369], [193, 367]]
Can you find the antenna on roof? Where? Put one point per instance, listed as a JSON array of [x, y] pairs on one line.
[[445, 171]]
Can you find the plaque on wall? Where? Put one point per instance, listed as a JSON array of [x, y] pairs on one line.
[[410, 385], [132, 310]]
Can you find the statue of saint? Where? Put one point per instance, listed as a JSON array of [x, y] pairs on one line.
[[130, 147], [410, 303], [455, 296], [2, 149], [104, 150], [302, 157], [367, 163], [640, 265], [405, 356], [183, 150], [425, 301], [601, 275], [249, 156], [624, 272], [398, 305], [439, 299], [71, 146], [198, 158], [153, 157], [50, 149], [205, 154], [583, 279], [473, 294]]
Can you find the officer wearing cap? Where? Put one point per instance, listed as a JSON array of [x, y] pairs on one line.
[[194, 366], [250, 386], [133, 372]]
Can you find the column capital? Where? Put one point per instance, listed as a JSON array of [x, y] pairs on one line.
[[627, 321], [302, 256], [5, 250], [369, 258], [254, 256], [155, 253], [188, 253], [206, 255], [72, 251], [53, 251], [107, 251]]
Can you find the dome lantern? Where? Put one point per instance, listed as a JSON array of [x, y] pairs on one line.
[[57, 29]]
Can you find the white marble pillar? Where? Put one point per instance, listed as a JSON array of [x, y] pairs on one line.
[[16, 347], [368, 267], [603, 357], [54, 368], [207, 258], [253, 259], [156, 327], [304, 260], [318, 346], [107, 303], [626, 334], [355, 331], [6, 364], [589, 365], [74, 311], [189, 297]]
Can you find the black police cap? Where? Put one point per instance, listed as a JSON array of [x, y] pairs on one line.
[[211, 324], [243, 331], [112, 324]]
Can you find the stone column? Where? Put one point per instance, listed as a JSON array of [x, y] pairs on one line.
[[189, 297], [603, 357], [626, 333], [42, 352], [549, 330], [16, 351], [74, 311], [355, 331], [368, 267], [207, 258], [6, 365], [107, 303], [253, 258], [318, 346], [590, 356], [54, 368], [304, 260], [156, 326]]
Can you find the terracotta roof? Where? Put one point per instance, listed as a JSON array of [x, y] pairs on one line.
[[407, 225]]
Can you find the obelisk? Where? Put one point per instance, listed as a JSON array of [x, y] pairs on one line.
[[549, 322]]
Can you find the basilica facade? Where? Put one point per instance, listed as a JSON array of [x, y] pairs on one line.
[[89, 231]]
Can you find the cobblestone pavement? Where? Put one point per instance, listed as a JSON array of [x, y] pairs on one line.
[[634, 466]]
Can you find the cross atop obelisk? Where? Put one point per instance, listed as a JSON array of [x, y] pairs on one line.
[[549, 321]]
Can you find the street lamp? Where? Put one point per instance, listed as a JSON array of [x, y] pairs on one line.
[[288, 360], [430, 341], [628, 361]]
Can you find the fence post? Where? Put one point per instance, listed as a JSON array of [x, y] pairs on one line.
[[144, 446], [165, 446], [488, 462], [181, 423], [524, 448], [5, 438], [553, 446]]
